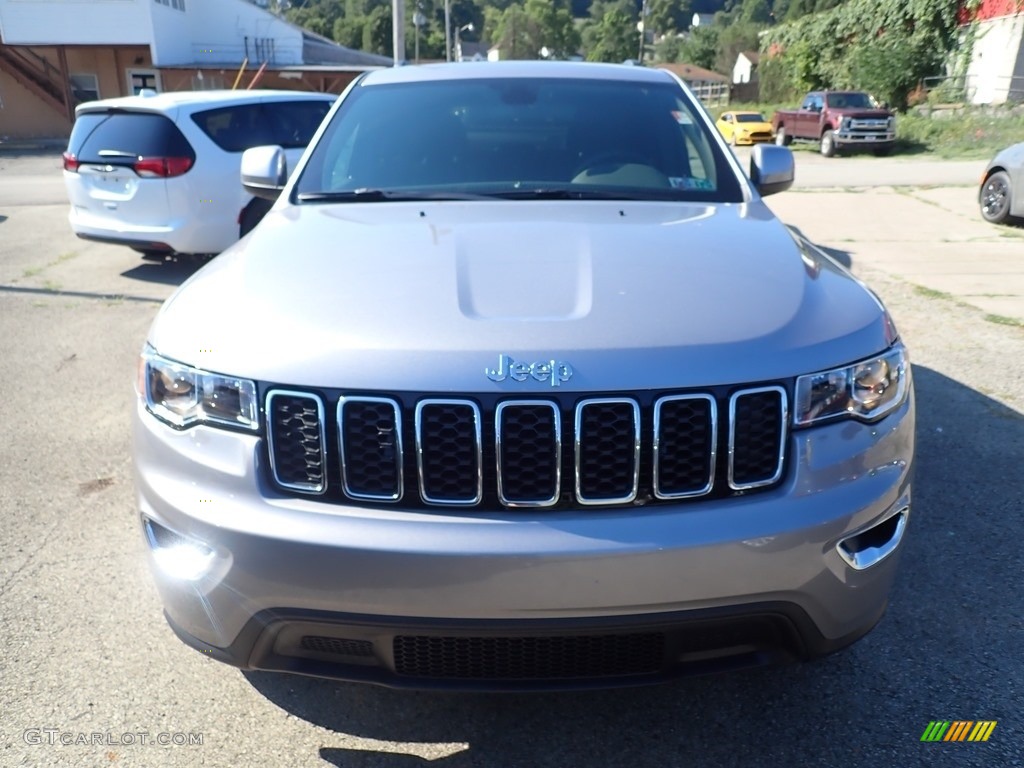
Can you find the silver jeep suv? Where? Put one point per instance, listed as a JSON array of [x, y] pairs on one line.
[[520, 384]]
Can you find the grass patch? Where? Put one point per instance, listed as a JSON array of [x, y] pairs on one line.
[[961, 133], [32, 272], [1004, 320], [931, 293]]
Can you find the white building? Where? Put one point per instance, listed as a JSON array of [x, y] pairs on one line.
[[745, 68], [995, 74], [57, 53]]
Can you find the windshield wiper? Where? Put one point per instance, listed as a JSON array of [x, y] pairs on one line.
[[564, 193], [385, 195]]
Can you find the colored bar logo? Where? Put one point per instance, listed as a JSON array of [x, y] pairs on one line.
[[959, 730]]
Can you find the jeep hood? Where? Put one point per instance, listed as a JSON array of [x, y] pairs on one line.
[[426, 296]]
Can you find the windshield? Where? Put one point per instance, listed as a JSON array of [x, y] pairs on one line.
[[850, 101], [750, 117], [517, 138]]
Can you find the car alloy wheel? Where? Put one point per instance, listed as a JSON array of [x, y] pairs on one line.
[[995, 198]]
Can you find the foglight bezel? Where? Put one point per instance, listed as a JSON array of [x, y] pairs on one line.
[[247, 420], [897, 360]]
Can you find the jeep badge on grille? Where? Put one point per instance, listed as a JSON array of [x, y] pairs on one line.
[[554, 371]]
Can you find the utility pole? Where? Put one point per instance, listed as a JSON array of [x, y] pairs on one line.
[[398, 30], [447, 30], [642, 26]]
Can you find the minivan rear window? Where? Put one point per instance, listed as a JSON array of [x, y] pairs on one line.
[[114, 135], [289, 124]]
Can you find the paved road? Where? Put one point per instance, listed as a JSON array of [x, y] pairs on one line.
[[85, 649]]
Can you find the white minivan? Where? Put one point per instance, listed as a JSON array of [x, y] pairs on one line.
[[159, 172]]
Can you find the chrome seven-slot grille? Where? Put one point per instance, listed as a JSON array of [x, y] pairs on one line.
[[542, 452]]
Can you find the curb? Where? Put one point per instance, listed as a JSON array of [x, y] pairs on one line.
[[32, 145]]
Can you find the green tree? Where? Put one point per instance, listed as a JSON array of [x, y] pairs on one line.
[[732, 41], [377, 35], [531, 30], [754, 12], [700, 47], [614, 38], [554, 27], [665, 17]]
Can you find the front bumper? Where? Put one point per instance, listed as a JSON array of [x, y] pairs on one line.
[[355, 593], [878, 138]]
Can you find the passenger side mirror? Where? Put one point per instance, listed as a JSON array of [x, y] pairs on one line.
[[264, 171], [771, 169]]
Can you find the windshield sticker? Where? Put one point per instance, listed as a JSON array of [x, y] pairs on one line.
[[685, 182], [682, 118]]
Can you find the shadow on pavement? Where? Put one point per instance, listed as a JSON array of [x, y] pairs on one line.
[[947, 649], [167, 270], [2, 219]]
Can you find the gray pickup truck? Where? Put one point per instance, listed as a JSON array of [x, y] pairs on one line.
[[520, 384]]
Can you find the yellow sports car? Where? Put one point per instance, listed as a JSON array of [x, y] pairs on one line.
[[744, 127]]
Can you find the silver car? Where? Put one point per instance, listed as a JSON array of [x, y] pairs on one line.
[[520, 384], [1001, 195]]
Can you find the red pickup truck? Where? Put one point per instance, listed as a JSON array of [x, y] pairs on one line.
[[838, 120]]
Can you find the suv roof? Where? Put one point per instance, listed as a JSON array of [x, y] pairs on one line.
[[533, 69], [171, 100]]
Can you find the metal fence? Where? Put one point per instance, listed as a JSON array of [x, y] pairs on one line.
[[975, 89]]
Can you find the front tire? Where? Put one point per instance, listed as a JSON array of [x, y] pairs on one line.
[[783, 139], [828, 144], [995, 198]]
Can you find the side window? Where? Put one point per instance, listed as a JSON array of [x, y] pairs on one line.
[[235, 129], [817, 103], [808, 103], [293, 123]]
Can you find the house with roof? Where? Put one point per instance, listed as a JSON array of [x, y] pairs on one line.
[[55, 54], [745, 68], [712, 88]]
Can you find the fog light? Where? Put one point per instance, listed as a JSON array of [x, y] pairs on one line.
[[177, 556], [875, 543]]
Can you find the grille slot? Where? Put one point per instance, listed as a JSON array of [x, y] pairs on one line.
[[528, 444], [607, 450], [449, 451], [487, 451], [685, 442], [370, 438], [528, 658], [298, 448], [338, 646], [757, 435]]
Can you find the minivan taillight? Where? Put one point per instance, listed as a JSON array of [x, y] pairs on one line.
[[70, 162], [162, 167]]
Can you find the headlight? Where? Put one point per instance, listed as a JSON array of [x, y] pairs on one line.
[[867, 390], [844, 124], [184, 396], [892, 123]]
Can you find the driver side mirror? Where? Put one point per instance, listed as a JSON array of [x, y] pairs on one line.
[[772, 169], [264, 171]]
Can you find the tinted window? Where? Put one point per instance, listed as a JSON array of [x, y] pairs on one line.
[[750, 118], [850, 101], [122, 136], [494, 135], [291, 124]]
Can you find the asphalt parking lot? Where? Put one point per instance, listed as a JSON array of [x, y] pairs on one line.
[[87, 658]]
